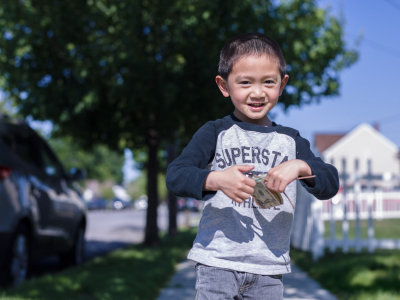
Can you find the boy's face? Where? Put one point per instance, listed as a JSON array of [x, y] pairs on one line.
[[254, 86]]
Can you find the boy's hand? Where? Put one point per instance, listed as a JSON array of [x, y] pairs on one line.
[[280, 176], [232, 182]]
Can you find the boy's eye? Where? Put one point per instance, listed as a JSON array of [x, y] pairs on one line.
[[244, 82], [269, 82]]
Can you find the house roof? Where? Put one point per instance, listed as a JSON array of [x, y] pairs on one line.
[[327, 142], [323, 141]]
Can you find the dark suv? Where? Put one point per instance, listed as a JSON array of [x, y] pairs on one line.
[[41, 211]]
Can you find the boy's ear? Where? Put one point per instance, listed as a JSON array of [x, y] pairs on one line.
[[283, 84], [222, 85]]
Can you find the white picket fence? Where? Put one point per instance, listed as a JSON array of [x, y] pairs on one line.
[[312, 215]]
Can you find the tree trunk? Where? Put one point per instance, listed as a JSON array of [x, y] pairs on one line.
[[151, 233], [172, 207]]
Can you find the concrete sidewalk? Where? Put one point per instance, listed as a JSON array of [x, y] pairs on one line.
[[297, 285]]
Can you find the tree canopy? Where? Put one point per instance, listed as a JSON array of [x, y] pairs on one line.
[[140, 73], [100, 163], [117, 68]]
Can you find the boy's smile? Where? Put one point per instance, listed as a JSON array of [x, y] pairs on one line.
[[254, 86]]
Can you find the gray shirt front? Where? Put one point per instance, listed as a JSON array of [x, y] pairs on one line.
[[235, 236]]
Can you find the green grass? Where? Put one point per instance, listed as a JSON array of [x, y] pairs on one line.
[[140, 272], [384, 229], [355, 276], [137, 272], [358, 276]]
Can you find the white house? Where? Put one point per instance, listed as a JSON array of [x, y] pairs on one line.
[[363, 148], [370, 181]]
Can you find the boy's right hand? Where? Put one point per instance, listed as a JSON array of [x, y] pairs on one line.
[[232, 182]]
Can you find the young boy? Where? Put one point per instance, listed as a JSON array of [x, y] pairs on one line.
[[241, 249]]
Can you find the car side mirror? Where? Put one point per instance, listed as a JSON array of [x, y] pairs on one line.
[[76, 174]]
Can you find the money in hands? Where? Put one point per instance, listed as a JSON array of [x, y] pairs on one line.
[[263, 197]]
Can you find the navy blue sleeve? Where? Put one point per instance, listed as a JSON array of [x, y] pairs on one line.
[[326, 183], [187, 173]]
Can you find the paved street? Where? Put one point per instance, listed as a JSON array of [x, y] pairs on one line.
[[108, 230]]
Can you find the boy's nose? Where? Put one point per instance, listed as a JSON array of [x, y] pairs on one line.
[[258, 92]]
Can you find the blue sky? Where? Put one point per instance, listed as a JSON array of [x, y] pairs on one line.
[[370, 88]]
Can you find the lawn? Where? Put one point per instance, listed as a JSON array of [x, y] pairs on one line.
[[355, 276], [360, 276], [137, 272], [141, 272], [384, 229]]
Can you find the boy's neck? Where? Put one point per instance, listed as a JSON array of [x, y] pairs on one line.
[[261, 122]]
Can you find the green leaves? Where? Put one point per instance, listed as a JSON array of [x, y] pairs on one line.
[[140, 73], [110, 65], [100, 162]]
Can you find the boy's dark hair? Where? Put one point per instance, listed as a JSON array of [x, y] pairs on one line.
[[248, 44]]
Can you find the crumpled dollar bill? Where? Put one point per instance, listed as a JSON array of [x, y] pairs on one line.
[[263, 197]]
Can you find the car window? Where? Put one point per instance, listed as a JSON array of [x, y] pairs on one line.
[[51, 166], [8, 141], [26, 151]]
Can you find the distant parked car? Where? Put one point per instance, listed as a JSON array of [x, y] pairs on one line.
[[119, 204], [141, 202], [96, 204], [41, 210], [190, 204], [121, 200]]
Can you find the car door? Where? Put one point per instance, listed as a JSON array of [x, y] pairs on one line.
[[30, 163], [64, 208]]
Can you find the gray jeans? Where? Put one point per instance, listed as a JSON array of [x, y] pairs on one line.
[[216, 284]]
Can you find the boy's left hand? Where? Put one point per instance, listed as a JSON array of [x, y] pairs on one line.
[[280, 176]]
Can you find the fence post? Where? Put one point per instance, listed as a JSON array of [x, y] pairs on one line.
[[300, 229], [332, 230], [357, 191], [332, 223], [345, 222], [318, 229], [370, 199], [378, 205], [304, 223]]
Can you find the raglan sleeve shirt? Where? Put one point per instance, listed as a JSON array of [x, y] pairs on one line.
[[242, 236], [326, 182], [186, 175]]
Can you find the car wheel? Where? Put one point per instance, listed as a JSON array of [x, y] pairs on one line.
[[76, 255], [118, 205], [18, 264]]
